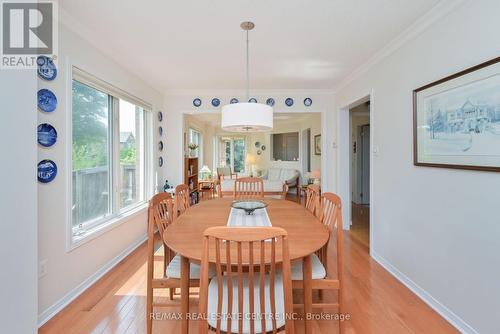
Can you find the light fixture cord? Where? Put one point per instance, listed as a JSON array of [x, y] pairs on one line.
[[248, 71]]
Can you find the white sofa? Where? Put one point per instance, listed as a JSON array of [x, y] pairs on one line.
[[285, 175]]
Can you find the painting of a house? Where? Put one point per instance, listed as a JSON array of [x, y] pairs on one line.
[[458, 121]]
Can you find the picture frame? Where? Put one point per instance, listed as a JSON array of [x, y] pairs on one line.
[[317, 144], [456, 120]]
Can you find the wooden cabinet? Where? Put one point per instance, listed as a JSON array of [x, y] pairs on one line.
[[191, 177]]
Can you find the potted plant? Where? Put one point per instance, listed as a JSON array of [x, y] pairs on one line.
[[192, 150]]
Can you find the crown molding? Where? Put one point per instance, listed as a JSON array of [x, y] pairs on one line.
[[437, 12], [242, 92]]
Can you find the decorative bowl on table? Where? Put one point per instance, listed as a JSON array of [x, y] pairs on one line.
[[249, 206]]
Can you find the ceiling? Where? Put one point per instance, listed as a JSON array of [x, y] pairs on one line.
[[194, 45]]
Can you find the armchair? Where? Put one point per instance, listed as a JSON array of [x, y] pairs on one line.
[[225, 171]]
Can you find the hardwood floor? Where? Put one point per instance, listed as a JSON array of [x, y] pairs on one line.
[[360, 228], [375, 301]]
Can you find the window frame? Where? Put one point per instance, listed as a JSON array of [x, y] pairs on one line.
[[200, 142], [231, 148], [96, 227], [284, 147]]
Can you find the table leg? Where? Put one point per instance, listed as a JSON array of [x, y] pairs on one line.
[[184, 294], [307, 278]]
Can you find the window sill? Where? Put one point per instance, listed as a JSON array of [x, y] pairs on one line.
[[91, 234]]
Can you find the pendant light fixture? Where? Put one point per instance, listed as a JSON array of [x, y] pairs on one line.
[[247, 116]]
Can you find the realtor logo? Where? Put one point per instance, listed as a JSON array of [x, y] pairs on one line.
[[28, 30]]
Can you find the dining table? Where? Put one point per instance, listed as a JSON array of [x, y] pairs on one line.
[[305, 232]]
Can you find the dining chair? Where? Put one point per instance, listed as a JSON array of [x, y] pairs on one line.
[[285, 191], [207, 189], [161, 213], [248, 187], [182, 198], [247, 287], [330, 214], [225, 171], [313, 197]]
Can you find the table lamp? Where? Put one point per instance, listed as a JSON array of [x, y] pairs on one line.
[[250, 161], [205, 172], [316, 175]]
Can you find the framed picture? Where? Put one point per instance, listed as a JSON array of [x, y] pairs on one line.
[[317, 144], [456, 120]]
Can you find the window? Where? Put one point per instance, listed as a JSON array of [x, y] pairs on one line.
[[285, 146], [195, 138], [109, 172], [131, 154], [91, 154], [232, 153]]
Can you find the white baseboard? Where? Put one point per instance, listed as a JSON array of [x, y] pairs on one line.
[[446, 313], [73, 294]]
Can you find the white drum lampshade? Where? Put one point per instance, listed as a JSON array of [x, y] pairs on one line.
[[247, 117]]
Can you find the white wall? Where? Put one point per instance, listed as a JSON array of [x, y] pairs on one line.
[[265, 161], [436, 228], [178, 103], [18, 202], [69, 272]]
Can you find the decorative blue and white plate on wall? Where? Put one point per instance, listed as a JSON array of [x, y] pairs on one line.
[[197, 102], [160, 146], [160, 116], [253, 100], [47, 135], [234, 100], [160, 131], [47, 101], [289, 102], [47, 171], [308, 102], [46, 68], [270, 102], [215, 102], [160, 161]]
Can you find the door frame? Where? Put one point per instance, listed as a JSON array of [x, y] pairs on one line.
[[344, 161]]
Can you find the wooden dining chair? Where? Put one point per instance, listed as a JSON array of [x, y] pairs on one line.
[[182, 201], [162, 213], [248, 187], [313, 197], [330, 214], [246, 271], [285, 191]]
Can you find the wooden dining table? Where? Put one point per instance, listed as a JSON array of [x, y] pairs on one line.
[[306, 235]]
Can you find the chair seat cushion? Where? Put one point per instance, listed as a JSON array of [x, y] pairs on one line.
[[174, 269], [247, 315], [318, 270]]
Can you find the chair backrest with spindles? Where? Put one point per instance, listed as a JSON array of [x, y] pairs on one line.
[[182, 198], [313, 197], [246, 254], [331, 217], [161, 213], [248, 187]]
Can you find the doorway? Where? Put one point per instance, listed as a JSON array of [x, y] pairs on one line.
[[359, 159]]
